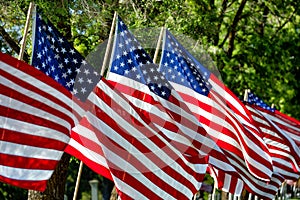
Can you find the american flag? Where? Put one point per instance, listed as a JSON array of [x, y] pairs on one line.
[[35, 122], [133, 73], [289, 125], [284, 150], [222, 114], [141, 161], [57, 58]]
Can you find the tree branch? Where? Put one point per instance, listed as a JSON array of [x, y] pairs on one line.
[[12, 43], [222, 14], [281, 27], [232, 29]]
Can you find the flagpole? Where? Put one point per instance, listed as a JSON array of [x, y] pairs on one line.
[[158, 44], [108, 44], [246, 95], [78, 180], [23, 41], [102, 72]]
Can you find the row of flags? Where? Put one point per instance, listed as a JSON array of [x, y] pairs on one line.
[[154, 129]]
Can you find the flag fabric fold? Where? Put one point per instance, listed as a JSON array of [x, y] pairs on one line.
[[130, 63], [36, 118], [58, 59], [289, 125], [283, 149], [222, 114], [142, 162], [134, 74]]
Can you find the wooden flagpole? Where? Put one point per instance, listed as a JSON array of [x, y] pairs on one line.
[[23, 41], [102, 72], [108, 45], [246, 95], [78, 180], [158, 44]]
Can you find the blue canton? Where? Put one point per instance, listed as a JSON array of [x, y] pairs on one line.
[[131, 60], [53, 55], [255, 100], [177, 66]]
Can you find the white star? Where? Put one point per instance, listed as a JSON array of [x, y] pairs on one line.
[[83, 90], [86, 71], [90, 81], [56, 77], [83, 62], [64, 75], [80, 80], [75, 91]]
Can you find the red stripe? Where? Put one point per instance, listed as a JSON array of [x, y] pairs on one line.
[[224, 130], [87, 142], [27, 162], [96, 167], [13, 94], [25, 117], [127, 136], [37, 74], [30, 185], [31, 140], [126, 177]]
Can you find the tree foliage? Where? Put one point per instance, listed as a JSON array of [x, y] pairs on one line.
[[254, 44]]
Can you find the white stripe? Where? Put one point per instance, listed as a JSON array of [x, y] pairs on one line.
[[222, 92], [226, 138], [31, 110], [67, 101], [32, 129], [287, 156], [136, 174], [128, 168], [41, 85], [220, 164], [25, 174], [276, 119], [248, 181], [285, 173], [165, 117], [29, 151], [227, 181], [110, 133], [285, 135], [127, 189], [276, 144], [89, 154]]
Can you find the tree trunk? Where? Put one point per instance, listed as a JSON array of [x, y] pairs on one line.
[[56, 185]]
